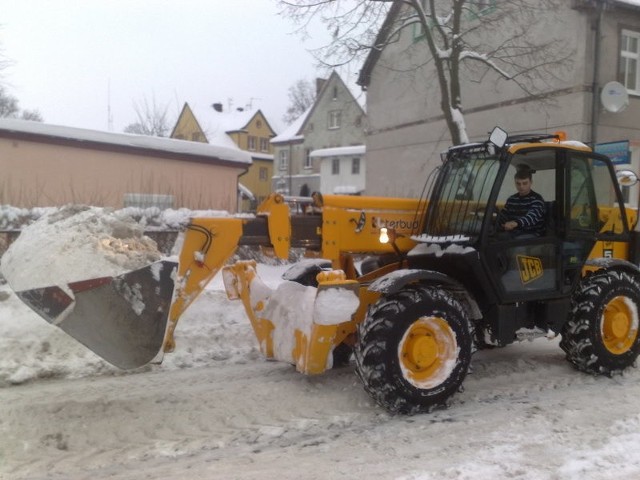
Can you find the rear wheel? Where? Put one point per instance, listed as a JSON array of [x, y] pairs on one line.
[[414, 349], [601, 337]]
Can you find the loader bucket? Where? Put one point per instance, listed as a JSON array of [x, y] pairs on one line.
[[122, 319]]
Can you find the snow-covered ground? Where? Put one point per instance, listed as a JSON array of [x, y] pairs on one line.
[[215, 409]]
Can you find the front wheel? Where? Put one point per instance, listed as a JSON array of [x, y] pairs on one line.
[[601, 337], [414, 349]]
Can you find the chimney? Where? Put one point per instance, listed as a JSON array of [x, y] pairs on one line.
[[319, 84]]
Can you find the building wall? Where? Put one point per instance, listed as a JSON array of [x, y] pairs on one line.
[[304, 173], [344, 180], [257, 129], [318, 134], [258, 180], [407, 132], [187, 127], [42, 174], [294, 178]]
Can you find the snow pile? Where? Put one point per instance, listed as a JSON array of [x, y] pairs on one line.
[[76, 243], [14, 218], [335, 305], [150, 218], [155, 219]]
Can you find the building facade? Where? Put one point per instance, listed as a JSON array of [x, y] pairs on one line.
[[50, 165], [335, 120], [407, 130]]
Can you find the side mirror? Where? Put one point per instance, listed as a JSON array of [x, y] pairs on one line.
[[498, 137], [626, 178]]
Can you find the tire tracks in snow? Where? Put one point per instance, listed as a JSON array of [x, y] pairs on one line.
[[251, 420]]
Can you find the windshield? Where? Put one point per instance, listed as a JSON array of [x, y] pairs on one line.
[[459, 204]]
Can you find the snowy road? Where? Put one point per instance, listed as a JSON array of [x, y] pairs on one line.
[[216, 410], [524, 414]]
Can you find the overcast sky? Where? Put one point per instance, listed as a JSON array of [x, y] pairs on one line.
[[74, 58]]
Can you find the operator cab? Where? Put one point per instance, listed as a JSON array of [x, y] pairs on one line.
[[464, 239]]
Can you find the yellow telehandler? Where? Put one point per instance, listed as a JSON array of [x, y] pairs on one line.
[[439, 279]]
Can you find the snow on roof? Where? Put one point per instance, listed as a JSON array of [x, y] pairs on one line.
[[339, 151], [292, 132], [217, 124], [225, 121], [635, 3], [261, 156], [246, 192], [346, 190], [214, 150]]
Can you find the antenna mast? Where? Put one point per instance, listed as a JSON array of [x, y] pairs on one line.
[[109, 116]]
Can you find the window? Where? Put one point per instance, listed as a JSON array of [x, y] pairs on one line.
[[582, 196], [252, 143], [284, 160], [355, 166], [335, 93], [479, 8], [630, 61], [335, 166], [264, 172], [335, 119], [264, 145], [308, 162]]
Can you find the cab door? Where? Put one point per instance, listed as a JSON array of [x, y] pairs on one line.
[[594, 223], [526, 267]]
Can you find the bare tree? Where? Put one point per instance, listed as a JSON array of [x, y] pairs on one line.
[[10, 108], [464, 40], [152, 119], [301, 94]]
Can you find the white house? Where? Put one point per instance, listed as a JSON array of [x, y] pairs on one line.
[[342, 169]]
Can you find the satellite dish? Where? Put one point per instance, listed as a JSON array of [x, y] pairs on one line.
[[614, 97]]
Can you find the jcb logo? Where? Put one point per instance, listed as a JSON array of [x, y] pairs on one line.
[[530, 268]]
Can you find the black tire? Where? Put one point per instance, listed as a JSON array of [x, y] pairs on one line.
[[601, 335], [414, 349], [342, 355]]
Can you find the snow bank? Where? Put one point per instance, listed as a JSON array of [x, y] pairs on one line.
[[150, 218]]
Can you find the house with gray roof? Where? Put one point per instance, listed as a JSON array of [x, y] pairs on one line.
[[407, 131], [316, 152]]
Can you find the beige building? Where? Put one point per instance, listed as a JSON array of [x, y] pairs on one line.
[[50, 165]]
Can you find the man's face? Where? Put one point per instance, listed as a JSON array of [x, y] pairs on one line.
[[523, 185]]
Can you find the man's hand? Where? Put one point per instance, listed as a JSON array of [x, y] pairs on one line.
[[511, 225]]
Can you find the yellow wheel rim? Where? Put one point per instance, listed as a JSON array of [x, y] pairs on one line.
[[619, 325], [428, 352]]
